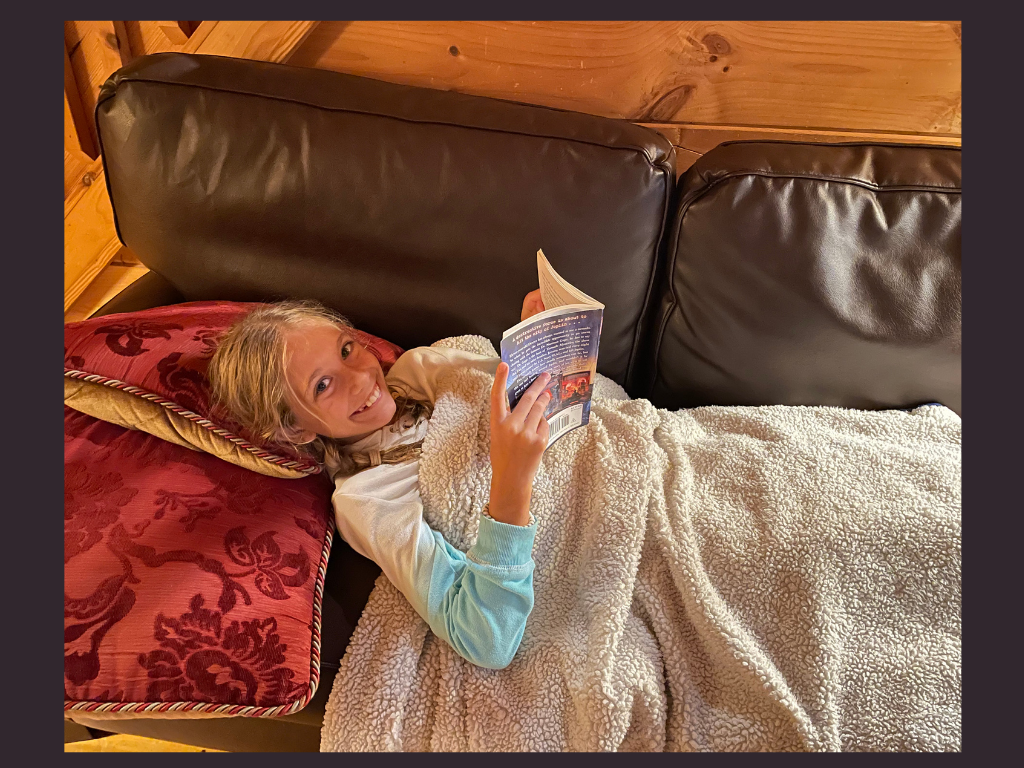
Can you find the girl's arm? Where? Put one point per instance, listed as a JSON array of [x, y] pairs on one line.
[[476, 601], [518, 437], [417, 369]]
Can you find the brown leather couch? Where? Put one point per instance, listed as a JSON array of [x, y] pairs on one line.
[[772, 272]]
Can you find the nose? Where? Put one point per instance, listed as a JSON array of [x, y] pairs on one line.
[[362, 384]]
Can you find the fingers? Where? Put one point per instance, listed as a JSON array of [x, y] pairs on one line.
[[526, 402], [499, 400], [536, 415], [532, 304]]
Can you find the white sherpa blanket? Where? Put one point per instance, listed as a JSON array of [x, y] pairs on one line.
[[724, 578]]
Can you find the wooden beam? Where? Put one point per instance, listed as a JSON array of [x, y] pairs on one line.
[[78, 136], [113, 279], [691, 141], [887, 76], [94, 50], [174, 31], [126, 258], [684, 159], [145, 37], [262, 40], [71, 142], [76, 165], [90, 239], [701, 138], [199, 35], [124, 46]]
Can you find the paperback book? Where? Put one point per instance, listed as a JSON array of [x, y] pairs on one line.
[[562, 340]]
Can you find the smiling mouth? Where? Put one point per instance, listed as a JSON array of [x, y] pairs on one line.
[[373, 398]]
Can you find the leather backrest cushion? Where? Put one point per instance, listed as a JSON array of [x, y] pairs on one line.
[[809, 274], [416, 213]]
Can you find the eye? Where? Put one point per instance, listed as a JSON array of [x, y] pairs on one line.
[[346, 349], [321, 386]]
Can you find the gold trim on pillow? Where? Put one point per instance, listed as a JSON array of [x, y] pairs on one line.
[[127, 410]]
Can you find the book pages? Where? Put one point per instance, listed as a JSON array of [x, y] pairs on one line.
[[555, 290]]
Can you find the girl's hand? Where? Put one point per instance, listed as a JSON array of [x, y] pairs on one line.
[[532, 304], [518, 440]]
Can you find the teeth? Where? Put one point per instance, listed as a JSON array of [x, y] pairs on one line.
[[371, 399]]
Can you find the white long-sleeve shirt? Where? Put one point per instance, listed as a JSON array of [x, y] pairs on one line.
[[477, 601]]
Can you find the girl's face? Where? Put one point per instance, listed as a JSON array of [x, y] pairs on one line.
[[336, 385]]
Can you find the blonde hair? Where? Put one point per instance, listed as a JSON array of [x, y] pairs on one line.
[[247, 376]]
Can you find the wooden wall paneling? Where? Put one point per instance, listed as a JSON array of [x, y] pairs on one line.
[[200, 33], [874, 76], [692, 141], [124, 46], [684, 159], [78, 136], [145, 37], [94, 50], [175, 31], [263, 40], [76, 164], [90, 240], [126, 258], [82, 173], [111, 280], [71, 141]]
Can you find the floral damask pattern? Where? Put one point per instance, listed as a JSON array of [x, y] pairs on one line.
[[208, 337], [185, 386], [233, 492], [127, 338], [215, 604], [202, 657], [271, 569], [92, 617], [92, 503]]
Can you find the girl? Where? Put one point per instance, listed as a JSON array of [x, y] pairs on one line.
[[294, 372]]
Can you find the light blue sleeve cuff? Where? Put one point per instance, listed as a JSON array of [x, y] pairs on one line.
[[501, 545]]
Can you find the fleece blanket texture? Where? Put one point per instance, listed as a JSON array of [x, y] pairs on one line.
[[722, 578]]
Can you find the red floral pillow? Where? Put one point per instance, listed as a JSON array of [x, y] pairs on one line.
[[190, 584], [161, 356]]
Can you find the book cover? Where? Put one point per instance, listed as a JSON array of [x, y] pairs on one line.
[[563, 340]]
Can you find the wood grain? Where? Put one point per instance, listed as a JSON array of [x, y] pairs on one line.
[[692, 141], [79, 174], [93, 48], [111, 280], [71, 140], [76, 164], [262, 40], [874, 76], [78, 136], [124, 46], [126, 258], [90, 240], [145, 37], [174, 31]]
